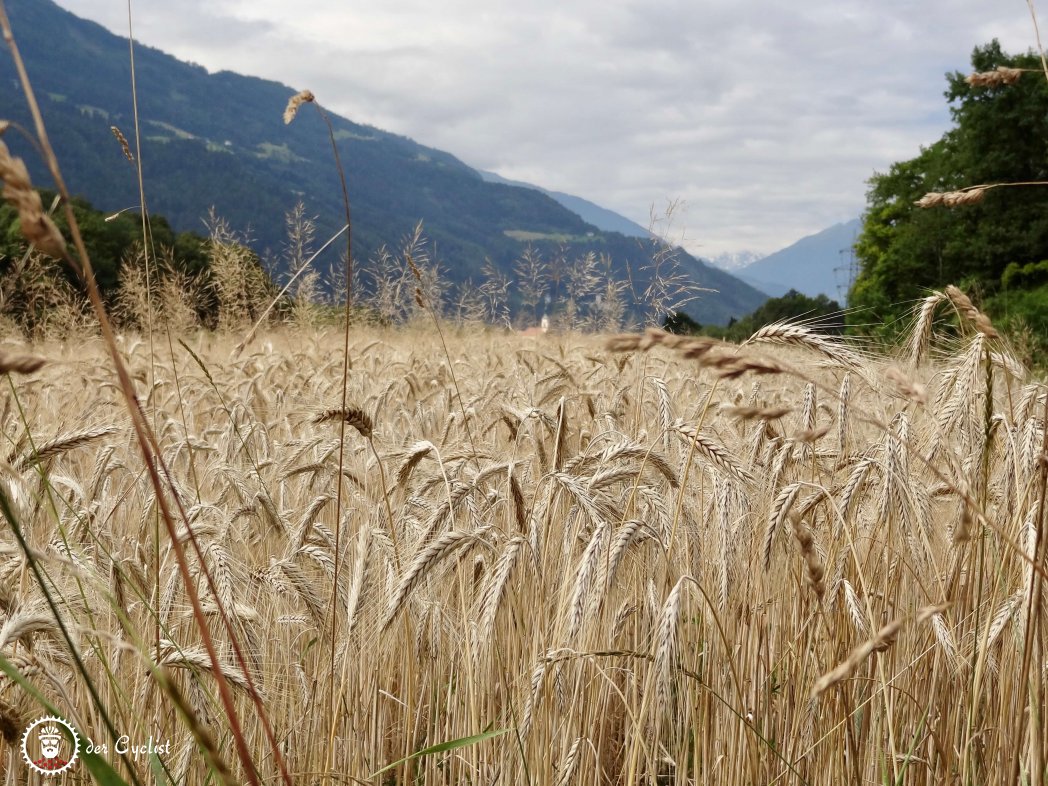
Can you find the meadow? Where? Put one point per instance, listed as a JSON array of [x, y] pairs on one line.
[[553, 560]]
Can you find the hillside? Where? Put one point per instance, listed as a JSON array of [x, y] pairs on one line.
[[218, 140], [814, 265], [600, 217]]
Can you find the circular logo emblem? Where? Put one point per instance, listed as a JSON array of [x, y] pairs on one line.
[[50, 745]]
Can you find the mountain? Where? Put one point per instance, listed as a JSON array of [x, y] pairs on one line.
[[600, 217], [817, 264], [218, 140], [767, 287]]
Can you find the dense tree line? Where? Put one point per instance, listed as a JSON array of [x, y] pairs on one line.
[[993, 244], [188, 272], [818, 313]]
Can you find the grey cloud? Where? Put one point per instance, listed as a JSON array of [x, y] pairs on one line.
[[765, 118]]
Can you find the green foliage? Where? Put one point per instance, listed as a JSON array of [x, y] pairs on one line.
[[197, 277], [1023, 313], [681, 324], [110, 240], [1000, 135], [1017, 276], [443, 747]]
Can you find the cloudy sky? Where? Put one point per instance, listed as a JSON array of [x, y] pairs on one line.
[[762, 120]]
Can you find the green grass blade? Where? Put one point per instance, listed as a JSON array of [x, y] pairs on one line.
[[440, 747]]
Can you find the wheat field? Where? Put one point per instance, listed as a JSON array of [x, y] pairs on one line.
[[565, 560]]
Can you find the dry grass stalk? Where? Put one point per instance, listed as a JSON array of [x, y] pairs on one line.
[[883, 639]]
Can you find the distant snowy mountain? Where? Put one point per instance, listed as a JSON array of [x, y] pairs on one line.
[[734, 260], [814, 265]]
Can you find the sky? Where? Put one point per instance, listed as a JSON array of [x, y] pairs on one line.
[[737, 126]]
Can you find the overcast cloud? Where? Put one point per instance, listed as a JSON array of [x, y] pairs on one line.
[[763, 119]]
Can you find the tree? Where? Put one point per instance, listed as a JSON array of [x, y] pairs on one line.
[[818, 313], [1000, 135], [680, 323]]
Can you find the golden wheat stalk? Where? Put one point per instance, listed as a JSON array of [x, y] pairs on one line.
[[880, 642], [296, 101], [354, 416], [22, 364], [1002, 75], [36, 226]]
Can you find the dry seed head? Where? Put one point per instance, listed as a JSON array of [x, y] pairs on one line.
[[922, 330], [297, 100], [65, 443], [1002, 76], [354, 416], [757, 413], [931, 199], [123, 143], [728, 365], [689, 346], [816, 572], [37, 227], [967, 196], [23, 364], [790, 333], [907, 387], [963, 531], [809, 435], [414, 270], [715, 452], [964, 305], [11, 723], [883, 639]]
